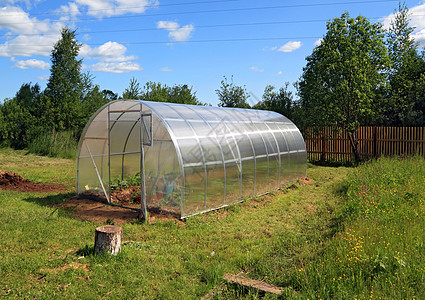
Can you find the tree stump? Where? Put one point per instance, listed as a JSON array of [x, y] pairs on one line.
[[108, 238]]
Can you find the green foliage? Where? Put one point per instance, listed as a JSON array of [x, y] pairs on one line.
[[158, 92], [64, 87], [16, 123], [281, 101], [183, 94], [133, 91], [109, 95], [400, 43], [339, 83], [404, 103], [231, 95]]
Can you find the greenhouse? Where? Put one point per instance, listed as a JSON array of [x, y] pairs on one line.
[[186, 159]]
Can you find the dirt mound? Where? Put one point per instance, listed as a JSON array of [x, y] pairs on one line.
[[15, 182], [305, 181]]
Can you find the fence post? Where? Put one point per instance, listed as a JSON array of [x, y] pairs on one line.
[[375, 146]]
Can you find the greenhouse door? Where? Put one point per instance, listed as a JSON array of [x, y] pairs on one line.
[[129, 131]]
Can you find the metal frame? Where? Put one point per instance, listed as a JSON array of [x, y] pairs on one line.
[[144, 131]]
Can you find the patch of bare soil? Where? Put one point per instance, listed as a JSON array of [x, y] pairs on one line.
[[100, 212], [15, 182], [305, 181]]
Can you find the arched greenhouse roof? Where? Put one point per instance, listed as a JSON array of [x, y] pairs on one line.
[[188, 159]]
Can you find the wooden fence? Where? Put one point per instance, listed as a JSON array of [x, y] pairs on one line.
[[331, 144]]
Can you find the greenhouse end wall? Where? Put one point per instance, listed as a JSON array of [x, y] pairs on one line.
[[190, 159]]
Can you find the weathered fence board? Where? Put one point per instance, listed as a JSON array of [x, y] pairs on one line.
[[332, 143]]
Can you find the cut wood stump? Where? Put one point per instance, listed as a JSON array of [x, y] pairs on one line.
[[252, 283], [108, 239]]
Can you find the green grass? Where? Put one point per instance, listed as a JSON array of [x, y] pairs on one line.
[[305, 239], [379, 251]]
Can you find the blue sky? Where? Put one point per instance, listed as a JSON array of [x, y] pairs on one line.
[[193, 42]]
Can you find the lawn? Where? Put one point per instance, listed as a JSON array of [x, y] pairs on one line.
[[329, 238]]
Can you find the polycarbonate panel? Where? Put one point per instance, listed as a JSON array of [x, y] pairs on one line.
[[273, 155], [248, 178], [194, 192], [262, 162], [215, 186], [233, 183], [201, 157], [191, 152], [284, 157]]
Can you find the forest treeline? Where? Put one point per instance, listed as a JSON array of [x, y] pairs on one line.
[[360, 74]]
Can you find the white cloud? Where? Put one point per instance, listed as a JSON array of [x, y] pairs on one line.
[[266, 49], [256, 69], [45, 77], [116, 67], [167, 25], [417, 20], [26, 36], [176, 33], [279, 73], [69, 12], [108, 52], [166, 69], [108, 8], [318, 42], [15, 20], [29, 45], [112, 58], [28, 3], [290, 46], [182, 34], [32, 63]]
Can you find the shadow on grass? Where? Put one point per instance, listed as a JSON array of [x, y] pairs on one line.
[[51, 199], [86, 251], [335, 164], [54, 201]]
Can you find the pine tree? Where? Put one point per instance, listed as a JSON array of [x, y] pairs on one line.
[[64, 88]]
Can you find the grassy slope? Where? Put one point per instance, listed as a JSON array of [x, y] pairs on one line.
[[285, 239]]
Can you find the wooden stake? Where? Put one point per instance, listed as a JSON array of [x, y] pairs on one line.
[[252, 283]]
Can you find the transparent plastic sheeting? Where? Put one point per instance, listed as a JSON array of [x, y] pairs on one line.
[[196, 158]]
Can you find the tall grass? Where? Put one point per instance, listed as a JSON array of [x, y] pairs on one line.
[[379, 252], [54, 144]]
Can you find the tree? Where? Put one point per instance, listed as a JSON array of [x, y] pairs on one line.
[[28, 96], [133, 91], [231, 95], [16, 123], [109, 95], [401, 45], [155, 91], [183, 94], [404, 104], [280, 101], [339, 83], [158, 92], [64, 91]]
